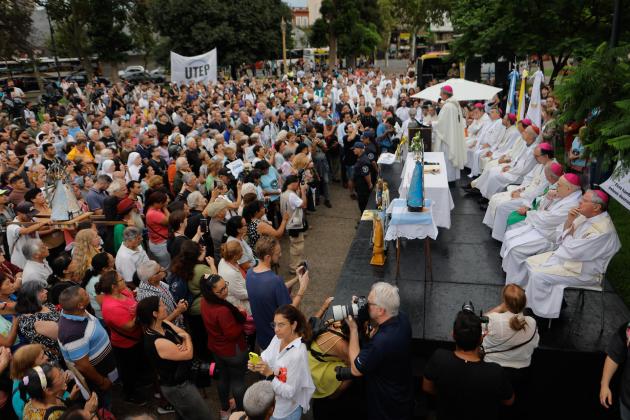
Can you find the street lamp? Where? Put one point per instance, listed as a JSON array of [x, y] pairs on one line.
[[283, 28]]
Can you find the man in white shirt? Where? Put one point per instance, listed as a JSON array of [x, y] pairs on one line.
[[18, 236], [130, 254], [293, 201], [36, 267]]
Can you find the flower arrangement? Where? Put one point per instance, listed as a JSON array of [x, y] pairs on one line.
[[417, 146]]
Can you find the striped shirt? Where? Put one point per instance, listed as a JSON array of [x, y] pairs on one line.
[[81, 336]]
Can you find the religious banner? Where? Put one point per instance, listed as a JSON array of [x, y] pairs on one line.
[[618, 186], [534, 112], [200, 68]]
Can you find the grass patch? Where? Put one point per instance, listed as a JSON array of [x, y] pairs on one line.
[[618, 271]]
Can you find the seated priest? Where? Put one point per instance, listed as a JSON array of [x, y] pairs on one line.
[[491, 136], [535, 183], [587, 242], [515, 151], [480, 120], [503, 146], [500, 177], [537, 233]]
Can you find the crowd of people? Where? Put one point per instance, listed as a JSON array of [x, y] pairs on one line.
[[190, 189]]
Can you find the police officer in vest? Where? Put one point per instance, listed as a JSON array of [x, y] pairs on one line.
[[371, 152], [362, 180]]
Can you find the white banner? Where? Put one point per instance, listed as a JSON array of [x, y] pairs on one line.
[[618, 187], [200, 68]]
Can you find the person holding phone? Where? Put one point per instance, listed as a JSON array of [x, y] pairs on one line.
[[225, 325]]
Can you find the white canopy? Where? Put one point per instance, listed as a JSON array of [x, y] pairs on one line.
[[463, 90]]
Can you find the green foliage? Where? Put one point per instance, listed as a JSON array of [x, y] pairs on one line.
[[15, 25], [560, 28], [598, 91], [105, 30], [354, 24], [415, 14], [91, 27], [618, 273], [318, 36], [141, 28], [242, 31]]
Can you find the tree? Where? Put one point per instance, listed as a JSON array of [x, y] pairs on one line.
[[108, 40], [141, 28], [242, 31], [91, 27], [417, 14], [352, 28], [561, 28], [15, 26], [597, 91]]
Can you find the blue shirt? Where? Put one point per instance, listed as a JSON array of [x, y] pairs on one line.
[[385, 362], [266, 292], [269, 183]]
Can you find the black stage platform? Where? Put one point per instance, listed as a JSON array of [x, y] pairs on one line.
[[467, 267]]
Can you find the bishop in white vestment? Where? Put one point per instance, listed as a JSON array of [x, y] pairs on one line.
[[587, 242], [449, 134], [537, 233]]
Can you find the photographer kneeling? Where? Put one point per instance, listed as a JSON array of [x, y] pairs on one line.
[[465, 385], [171, 351], [385, 359]]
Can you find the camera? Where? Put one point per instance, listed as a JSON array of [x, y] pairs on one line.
[[200, 369], [358, 309], [343, 373], [469, 307], [305, 265]]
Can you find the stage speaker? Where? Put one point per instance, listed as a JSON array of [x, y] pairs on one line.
[[473, 69]]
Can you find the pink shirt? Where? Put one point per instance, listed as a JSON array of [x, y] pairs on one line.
[[118, 312], [158, 233]]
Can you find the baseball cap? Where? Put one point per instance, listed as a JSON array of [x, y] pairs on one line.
[[26, 207], [358, 145]]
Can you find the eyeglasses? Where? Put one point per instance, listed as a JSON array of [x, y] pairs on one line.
[[224, 288]]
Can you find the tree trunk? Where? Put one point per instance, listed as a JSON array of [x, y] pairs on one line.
[[557, 66], [87, 65], [38, 76], [412, 52], [332, 51], [388, 39]]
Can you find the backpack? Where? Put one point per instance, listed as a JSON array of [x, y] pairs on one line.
[[179, 289]]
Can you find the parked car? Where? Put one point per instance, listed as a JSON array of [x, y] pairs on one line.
[[144, 77], [81, 79], [129, 71]]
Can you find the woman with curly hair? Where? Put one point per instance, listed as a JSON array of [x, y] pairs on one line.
[[87, 244]]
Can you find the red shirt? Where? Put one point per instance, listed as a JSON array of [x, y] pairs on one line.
[[224, 332], [158, 233], [118, 312]]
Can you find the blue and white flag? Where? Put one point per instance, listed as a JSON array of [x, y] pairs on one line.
[[511, 99]]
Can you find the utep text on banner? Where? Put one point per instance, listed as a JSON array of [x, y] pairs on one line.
[[200, 68], [618, 186]]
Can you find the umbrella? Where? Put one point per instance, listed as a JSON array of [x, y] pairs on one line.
[[463, 90]]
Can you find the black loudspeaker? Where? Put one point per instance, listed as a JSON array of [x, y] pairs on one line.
[[473, 69], [501, 71]]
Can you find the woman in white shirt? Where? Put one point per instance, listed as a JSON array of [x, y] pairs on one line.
[[232, 273], [511, 337], [285, 363]]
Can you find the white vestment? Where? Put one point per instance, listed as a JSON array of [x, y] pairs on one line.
[[502, 147], [534, 236], [490, 137], [580, 260], [449, 137], [498, 179], [514, 153], [502, 204]]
